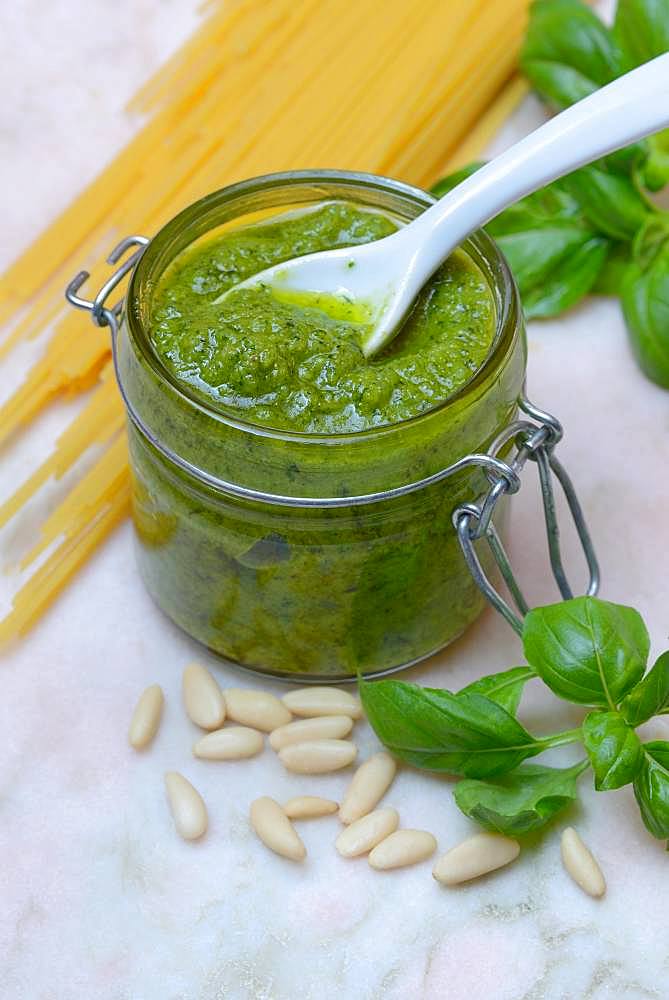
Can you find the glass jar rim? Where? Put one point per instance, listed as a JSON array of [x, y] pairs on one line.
[[507, 303]]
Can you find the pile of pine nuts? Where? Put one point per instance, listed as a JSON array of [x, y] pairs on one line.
[[317, 743]]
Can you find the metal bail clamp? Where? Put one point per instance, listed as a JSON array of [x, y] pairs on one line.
[[101, 314], [535, 440]]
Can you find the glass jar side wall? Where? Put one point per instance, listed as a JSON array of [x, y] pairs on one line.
[[304, 592]]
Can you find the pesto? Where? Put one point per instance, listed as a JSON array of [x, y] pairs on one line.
[[293, 365], [292, 590]]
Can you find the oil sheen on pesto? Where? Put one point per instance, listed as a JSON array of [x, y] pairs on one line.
[[297, 364]]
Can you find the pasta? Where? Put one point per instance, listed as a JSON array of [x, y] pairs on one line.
[[408, 90]]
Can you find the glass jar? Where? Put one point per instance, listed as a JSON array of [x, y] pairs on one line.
[[283, 551]]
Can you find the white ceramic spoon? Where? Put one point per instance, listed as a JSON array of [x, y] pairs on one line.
[[385, 276]]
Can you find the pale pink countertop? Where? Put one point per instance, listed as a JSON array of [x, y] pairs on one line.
[[99, 899]]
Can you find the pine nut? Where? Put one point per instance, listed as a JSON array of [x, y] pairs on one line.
[[401, 848], [313, 701], [369, 784], [581, 865], [188, 809], [275, 829], [146, 717], [317, 756], [363, 835], [325, 727], [309, 807], [258, 709], [476, 856], [233, 743], [202, 697]]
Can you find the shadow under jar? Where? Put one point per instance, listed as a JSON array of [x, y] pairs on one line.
[[253, 540]]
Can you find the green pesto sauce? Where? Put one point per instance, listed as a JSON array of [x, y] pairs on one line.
[[308, 591], [296, 364]]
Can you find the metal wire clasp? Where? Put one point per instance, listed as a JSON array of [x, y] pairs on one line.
[[535, 440], [101, 314]]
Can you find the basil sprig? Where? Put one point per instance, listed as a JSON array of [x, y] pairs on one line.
[[592, 230], [587, 651]]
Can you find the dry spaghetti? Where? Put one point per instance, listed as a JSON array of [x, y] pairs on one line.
[[397, 89]]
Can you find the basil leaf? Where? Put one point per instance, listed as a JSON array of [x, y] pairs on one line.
[[568, 52], [614, 749], [520, 802], [610, 278], [651, 788], [659, 751], [545, 205], [587, 650], [645, 302], [651, 240], [436, 730], [535, 254], [650, 696], [641, 31], [571, 278], [446, 184], [554, 253], [505, 688], [609, 200], [655, 171]]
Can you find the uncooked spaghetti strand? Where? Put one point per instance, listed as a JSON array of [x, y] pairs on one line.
[[100, 420]]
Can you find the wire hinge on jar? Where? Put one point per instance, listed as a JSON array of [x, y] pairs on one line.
[[535, 440], [101, 313]]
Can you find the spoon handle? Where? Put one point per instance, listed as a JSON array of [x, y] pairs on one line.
[[633, 106]]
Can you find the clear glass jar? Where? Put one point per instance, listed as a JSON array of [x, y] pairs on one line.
[[254, 541]]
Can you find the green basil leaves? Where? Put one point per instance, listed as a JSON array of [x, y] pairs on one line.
[[614, 750], [645, 302], [577, 235], [641, 31], [586, 650], [610, 200], [568, 52], [506, 688], [651, 788], [650, 696], [436, 730], [520, 802]]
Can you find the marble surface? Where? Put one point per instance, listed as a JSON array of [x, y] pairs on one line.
[[99, 898]]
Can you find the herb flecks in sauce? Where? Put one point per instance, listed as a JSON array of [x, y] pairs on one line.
[[292, 363]]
